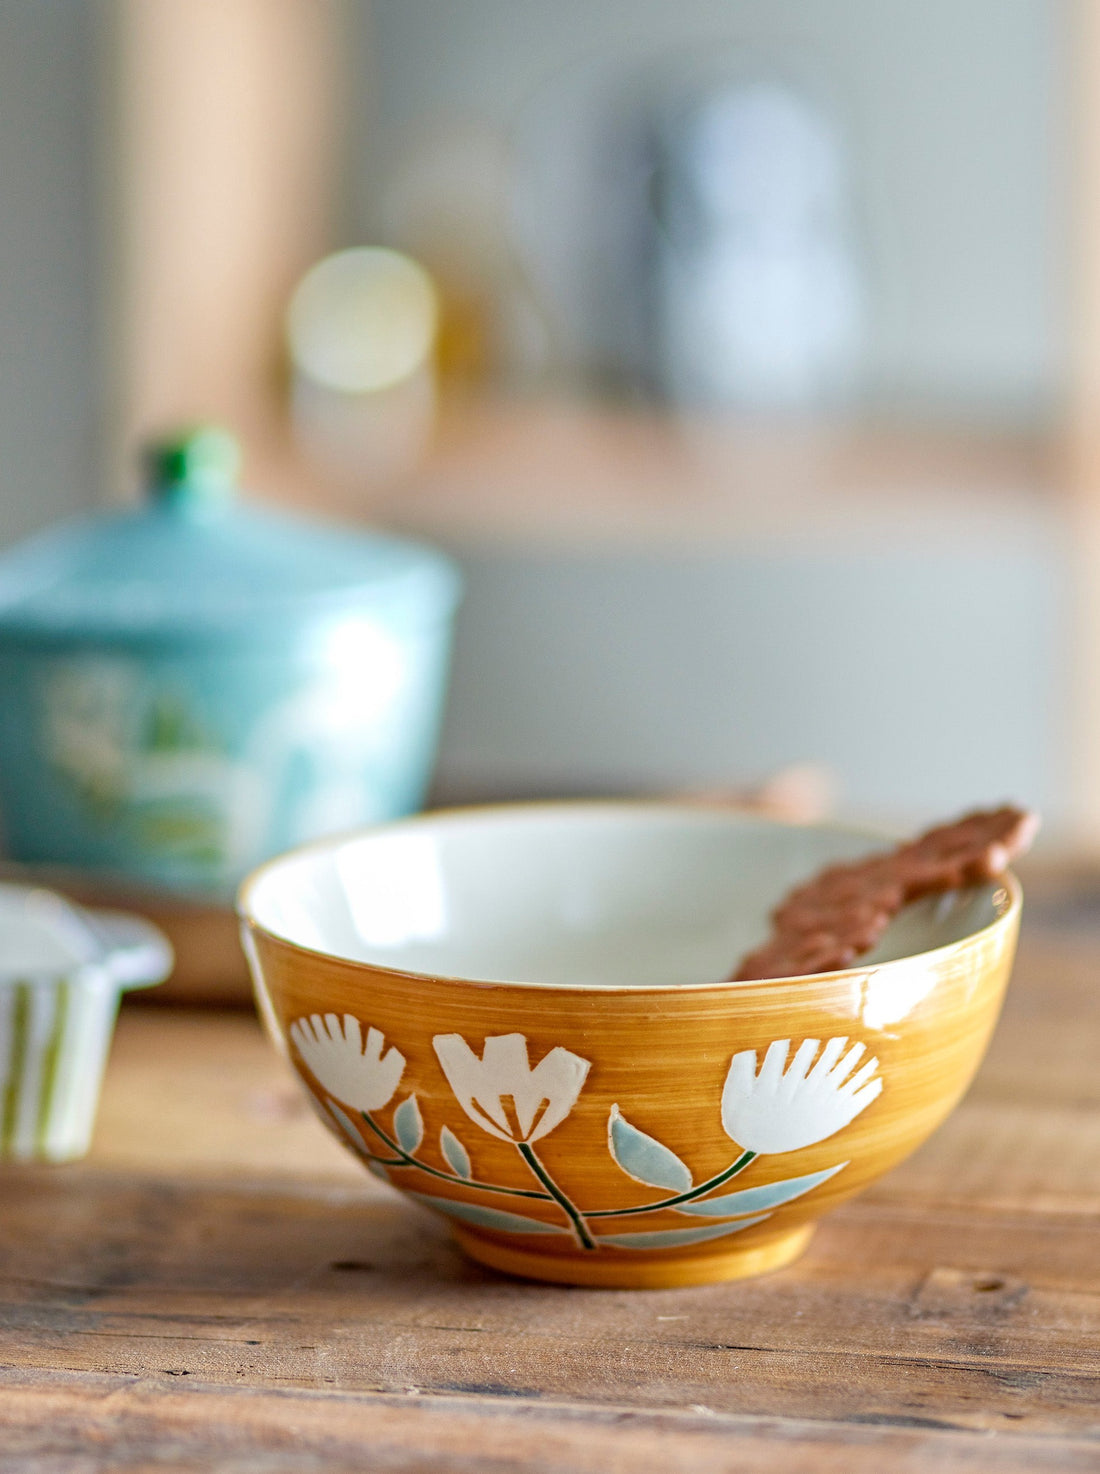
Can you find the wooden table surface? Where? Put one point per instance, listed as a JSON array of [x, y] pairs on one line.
[[219, 1287]]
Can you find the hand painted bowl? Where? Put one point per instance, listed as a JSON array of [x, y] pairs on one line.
[[515, 1016]]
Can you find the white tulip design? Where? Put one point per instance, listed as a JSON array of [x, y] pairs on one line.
[[356, 1074], [786, 1107], [542, 1097]]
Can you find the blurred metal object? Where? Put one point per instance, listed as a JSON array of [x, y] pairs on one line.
[[754, 297], [689, 231]]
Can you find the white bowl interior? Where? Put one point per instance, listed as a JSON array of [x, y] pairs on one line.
[[571, 895]]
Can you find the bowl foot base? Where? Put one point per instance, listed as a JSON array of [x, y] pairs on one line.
[[625, 1270]]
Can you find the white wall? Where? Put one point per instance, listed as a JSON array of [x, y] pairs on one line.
[[49, 376], [929, 677]]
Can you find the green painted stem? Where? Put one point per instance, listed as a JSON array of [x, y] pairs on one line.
[[579, 1225], [685, 1197], [385, 1161], [553, 1192], [403, 1159]]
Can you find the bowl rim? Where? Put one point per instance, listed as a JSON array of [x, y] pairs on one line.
[[1007, 916]]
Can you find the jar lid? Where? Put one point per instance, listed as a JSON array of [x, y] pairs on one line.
[[44, 937], [193, 560]]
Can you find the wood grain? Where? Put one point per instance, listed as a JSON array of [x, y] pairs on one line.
[[217, 1286], [121, 1424]]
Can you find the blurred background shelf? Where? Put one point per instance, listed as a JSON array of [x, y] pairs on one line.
[[575, 475]]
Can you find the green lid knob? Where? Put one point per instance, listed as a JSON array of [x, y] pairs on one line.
[[195, 472]]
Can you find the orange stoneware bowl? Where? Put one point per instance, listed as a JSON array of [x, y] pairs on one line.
[[517, 1017]]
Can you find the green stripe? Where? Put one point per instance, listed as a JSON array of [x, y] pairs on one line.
[[50, 1062], [16, 1060]]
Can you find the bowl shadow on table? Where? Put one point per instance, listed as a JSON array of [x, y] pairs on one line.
[[255, 1236], [247, 1263], [341, 1290]]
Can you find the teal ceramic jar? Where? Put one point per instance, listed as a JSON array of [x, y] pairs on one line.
[[197, 684]]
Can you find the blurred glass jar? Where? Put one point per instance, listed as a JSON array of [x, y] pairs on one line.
[[195, 685]]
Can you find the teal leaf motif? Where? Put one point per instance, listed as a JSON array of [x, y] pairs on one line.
[[754, 1199], [643, 1157], [347, 1126], [488, 1217], [377, 1170], [458, 1158], [671, 1238], [407, 1125]]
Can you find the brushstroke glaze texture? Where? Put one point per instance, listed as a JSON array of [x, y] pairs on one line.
[[625, 1134]]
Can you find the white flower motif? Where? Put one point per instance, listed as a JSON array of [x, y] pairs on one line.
[[480, 1084], [355, 1073], [775, 1111]]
